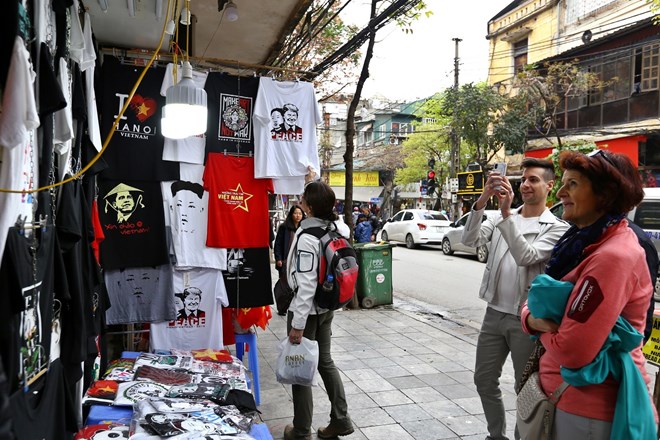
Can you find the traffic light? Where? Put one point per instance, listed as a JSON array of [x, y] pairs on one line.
[[431, 163], [430, 175]]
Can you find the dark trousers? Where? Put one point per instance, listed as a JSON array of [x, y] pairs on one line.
[[319, 329]]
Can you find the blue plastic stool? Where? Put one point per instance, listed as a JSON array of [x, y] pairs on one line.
[[250, 339]]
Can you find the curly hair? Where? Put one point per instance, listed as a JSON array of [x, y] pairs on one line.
[[614, 179]]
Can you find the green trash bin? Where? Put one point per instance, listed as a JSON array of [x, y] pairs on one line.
[[374, 285]]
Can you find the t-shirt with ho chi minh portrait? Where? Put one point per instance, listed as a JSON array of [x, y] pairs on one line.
[[131, 215]]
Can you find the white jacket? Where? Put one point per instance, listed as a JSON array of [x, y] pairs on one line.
[[302, 270], [530, 251]]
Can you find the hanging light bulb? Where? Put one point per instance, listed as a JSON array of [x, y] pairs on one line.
[[185, 111], [231, 11]]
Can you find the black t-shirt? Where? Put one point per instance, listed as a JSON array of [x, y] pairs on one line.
[[247, 278], [26, 306], [132, 218], [136, 149], [230, 107], [45, 412]]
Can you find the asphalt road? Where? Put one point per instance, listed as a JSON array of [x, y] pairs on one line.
[[441, 284]]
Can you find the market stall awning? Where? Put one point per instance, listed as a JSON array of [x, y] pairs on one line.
[[360, 193]]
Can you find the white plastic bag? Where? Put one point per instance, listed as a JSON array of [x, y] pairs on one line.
[[298, 364]]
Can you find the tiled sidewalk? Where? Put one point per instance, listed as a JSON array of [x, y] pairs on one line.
[[407, 375]]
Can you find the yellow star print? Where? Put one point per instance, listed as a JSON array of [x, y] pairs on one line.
[[246, 197], [143, 109]]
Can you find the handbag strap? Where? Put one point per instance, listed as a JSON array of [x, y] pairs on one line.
[[556, 394]]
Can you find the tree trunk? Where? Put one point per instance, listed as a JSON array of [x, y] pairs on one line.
[[350, 129]]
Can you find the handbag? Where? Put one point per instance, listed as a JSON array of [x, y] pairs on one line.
[[535, 411], [283, 296]]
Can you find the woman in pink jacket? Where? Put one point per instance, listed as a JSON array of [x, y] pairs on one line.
[[601, 256]]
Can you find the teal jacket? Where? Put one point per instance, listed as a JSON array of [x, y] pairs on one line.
[[633, 415]]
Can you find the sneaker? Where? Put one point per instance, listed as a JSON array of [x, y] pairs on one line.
[[334, 431], [290, 435]]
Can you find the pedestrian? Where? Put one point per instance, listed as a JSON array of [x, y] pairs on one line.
[[601, 256], [521, 241], [284, 237], [306, 319], [363, 229], [356, 212]]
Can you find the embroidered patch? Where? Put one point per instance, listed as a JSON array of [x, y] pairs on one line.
[[587, 301]]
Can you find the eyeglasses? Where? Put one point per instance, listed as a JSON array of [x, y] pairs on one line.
[[601, 153]]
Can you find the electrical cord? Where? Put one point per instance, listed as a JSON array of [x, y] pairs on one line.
[[112, 129]]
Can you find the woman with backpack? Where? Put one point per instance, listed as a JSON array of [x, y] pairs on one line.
[[306, 319]]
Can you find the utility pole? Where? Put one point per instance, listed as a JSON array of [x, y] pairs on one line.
[[455, 140]]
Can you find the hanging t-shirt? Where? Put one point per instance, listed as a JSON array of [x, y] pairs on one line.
[[238, 203], [26, 303], [140, 294], [45, 413], [18, 120], [248, 277], [187, 207], [190, 149], [200, 294], [136, 149], [285, 118], [131, 214], [230, 106]]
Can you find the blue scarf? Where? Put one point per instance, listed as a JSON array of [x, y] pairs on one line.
[[568, 251]]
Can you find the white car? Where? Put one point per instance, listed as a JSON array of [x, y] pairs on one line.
[[452, 240], [416, 226]]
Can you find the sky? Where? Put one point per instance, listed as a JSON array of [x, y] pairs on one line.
[[417, 65]]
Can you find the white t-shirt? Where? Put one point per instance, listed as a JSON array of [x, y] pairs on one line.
[[190, 149], [200, 295], [18, 122], [63, 128], [285, 118], [187, 208], [289, 185], [505, 293]]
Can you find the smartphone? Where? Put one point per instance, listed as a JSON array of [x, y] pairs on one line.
[[500, 168]]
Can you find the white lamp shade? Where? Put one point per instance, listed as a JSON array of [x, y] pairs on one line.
[[231, 11], [183, 120], [185, 112]]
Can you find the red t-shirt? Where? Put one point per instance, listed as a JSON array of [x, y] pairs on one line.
[[238, 203]]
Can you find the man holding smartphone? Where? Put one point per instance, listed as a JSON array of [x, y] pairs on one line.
[[521, 241]]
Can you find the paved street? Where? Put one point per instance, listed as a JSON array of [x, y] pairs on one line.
[[447, 285], [407, 368]]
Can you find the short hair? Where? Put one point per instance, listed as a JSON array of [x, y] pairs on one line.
[[290, 107], [614, 179], [321, 199], [547, 165], [191, 291], [180, 185]]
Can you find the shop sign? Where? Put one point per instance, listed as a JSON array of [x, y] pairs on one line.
[[360, 178], [471, 182], [651, 349]]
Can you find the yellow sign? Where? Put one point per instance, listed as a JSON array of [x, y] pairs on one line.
[[651, 349], [471, 182], [360, 178]]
